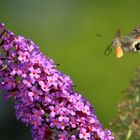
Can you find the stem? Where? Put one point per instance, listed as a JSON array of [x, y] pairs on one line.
[[128, 134]]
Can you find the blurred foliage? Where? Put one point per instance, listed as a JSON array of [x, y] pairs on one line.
[[127, 125], [66, 31]]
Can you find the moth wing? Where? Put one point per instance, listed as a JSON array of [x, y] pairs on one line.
[[135, 33], [119, 52], [118, 33]]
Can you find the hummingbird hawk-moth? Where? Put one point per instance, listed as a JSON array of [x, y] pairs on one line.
[[129, 43]]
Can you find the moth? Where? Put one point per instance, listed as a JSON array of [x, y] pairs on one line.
[[129, 43]]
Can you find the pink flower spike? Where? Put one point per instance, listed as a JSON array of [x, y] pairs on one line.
[[44, 87], [34, 72], [83, 134], [22, 56]]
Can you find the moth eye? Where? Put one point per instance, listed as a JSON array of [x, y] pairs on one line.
[[137, 46]]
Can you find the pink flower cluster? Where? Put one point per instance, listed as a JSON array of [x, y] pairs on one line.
[[44, 96]]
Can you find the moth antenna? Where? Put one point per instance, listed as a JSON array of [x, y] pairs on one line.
[[104, 37], [99, 35], [108, 49]]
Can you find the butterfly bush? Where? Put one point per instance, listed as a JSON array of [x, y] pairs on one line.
[[44, 96], [127, 125]]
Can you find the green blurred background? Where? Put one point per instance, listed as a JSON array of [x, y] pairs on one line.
[[66, 31]]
